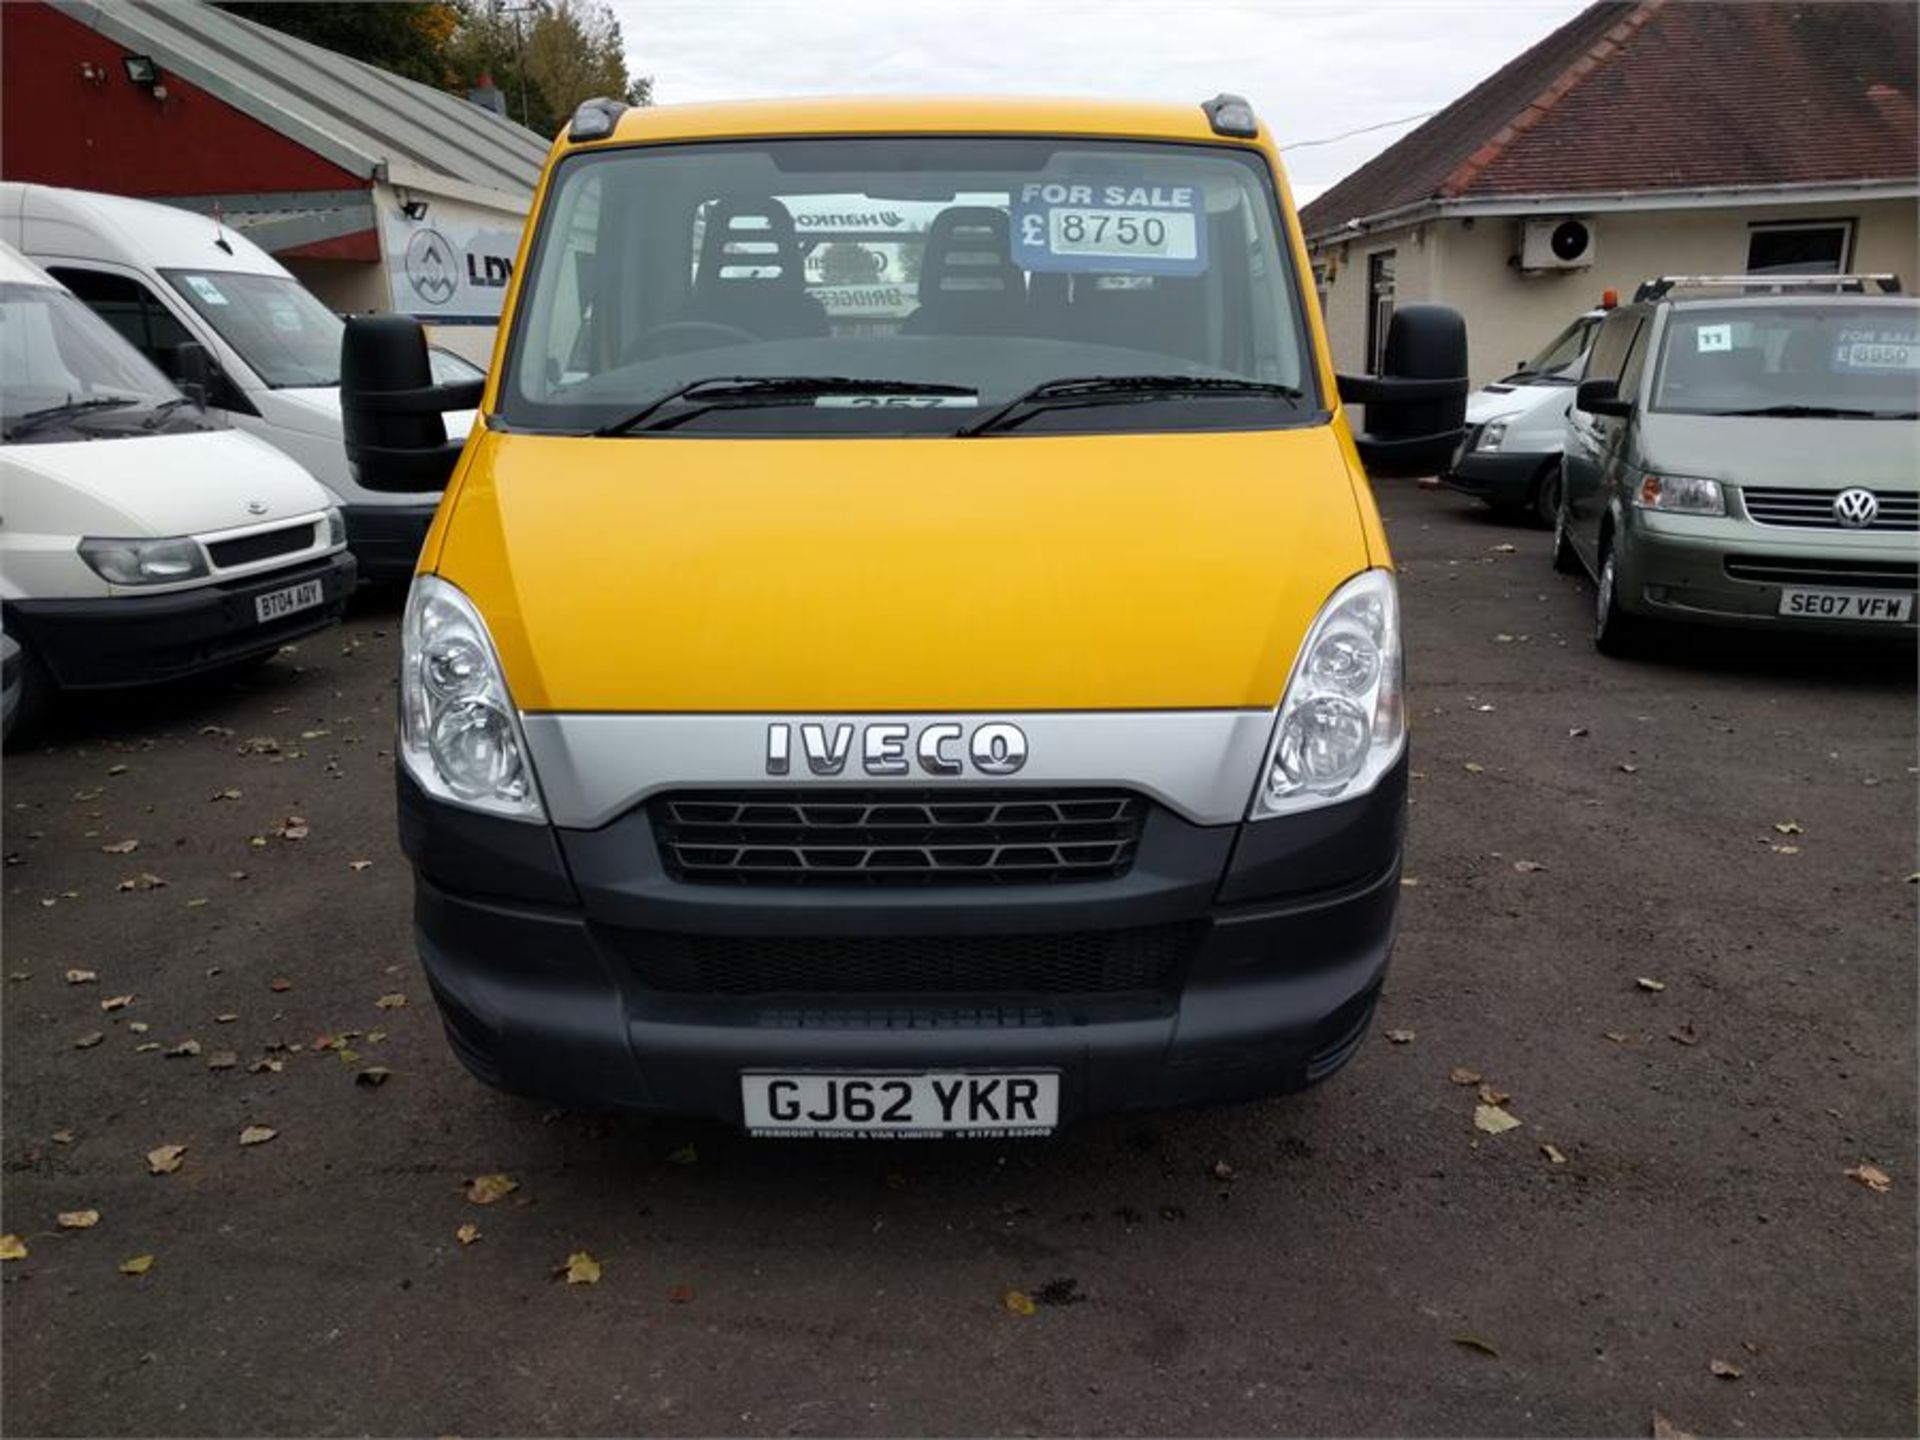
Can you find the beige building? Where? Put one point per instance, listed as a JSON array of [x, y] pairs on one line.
[[1639, 139]]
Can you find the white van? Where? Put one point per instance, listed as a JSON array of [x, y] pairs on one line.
[[161, 275], [1510, 457], [140, 539]]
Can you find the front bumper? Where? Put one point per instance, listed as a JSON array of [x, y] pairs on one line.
[[386, 539], [1729, 571], [547, 951], [1500, 477], [121, 640]]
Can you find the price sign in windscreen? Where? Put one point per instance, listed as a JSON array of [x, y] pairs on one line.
[[1150, 228]]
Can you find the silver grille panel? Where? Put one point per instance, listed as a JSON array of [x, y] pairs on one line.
[[1813, 509]]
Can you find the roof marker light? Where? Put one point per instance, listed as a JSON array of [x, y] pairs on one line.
[[595, 119], [1231, 115], [1609, 299]]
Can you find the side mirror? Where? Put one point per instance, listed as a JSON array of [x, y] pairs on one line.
[[1416, 410], [195, 371], [390, 407], [1602, 397]]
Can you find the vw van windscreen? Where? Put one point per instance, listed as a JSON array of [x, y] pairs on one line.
[[1820, 361], [910, 286]]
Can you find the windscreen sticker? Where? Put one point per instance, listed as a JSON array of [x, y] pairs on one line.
[[1710, 338], [1150, 228], [1877, 350], [285, 316], [205, 289]]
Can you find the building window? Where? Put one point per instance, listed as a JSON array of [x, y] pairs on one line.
[[1821, 247], [1379, 307]]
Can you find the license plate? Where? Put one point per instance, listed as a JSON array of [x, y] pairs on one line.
[[982, 1105], [277, 603], [1846, 604]]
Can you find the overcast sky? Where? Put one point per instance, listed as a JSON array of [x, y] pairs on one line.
[[1312, 70]]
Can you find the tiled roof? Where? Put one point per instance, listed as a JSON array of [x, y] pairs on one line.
[[1667, 96]]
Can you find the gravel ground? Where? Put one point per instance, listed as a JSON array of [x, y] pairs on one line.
[[1733, 824]]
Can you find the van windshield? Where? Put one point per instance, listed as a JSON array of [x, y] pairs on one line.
[[1563, 359], [283, 332], [1838, 360], [66, 375], [954, 273]]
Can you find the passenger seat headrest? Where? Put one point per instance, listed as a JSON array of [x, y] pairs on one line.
[[750, 240]]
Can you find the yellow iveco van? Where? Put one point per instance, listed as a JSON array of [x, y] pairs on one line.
[[909, 648]]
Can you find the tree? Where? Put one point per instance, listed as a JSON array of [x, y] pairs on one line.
[[408, 37]]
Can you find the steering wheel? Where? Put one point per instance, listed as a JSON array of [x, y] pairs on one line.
[[677, 337]]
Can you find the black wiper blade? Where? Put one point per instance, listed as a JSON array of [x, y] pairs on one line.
[[42, 416], [1818, 412], [1112, 389], [728, 390]]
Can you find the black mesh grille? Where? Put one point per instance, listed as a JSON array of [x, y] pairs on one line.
[[264, 546], [1851, 574], [1094, 962], [898, 837]]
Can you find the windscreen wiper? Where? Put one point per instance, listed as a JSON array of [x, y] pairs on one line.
[[1117, 389], [726, 391], [33, 419], [1822, 412]]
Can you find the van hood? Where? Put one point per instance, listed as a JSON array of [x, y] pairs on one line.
[[315, 410], [1010, 573], [1490, 402], [187, 484], [1784, 450]]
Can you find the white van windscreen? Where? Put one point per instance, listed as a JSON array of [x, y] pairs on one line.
[[274, 322]]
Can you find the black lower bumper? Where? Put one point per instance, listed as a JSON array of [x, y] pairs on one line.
[[386, 539], [1496, 477], [143, 639], [557, 959]]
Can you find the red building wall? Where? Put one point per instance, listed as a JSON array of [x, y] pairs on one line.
[[60, 127]]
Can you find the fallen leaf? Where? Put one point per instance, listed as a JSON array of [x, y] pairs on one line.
[[1528, 867], [679, 1294], [280, 984], [62, 1137], [1784, 849], [1787, 827], [116, 770], [1222, 1170], [1016, 1302], [257, 1134], [1410, 882], [121, 847], [1400, 1037], [1503, 549], [82, 977], [139, 1027], [165, 1159], [1618, 1037], [1576, 732], [143, 881], [1474, 1342], [581, 1269], [394, 1001], [196, 902], [116, 1002], [12, 1247], [230, 793], [1725, 1369], [1461, 1075], [1474, 767], [685, 1155], [1684, 1033], [1627, 768], [1493, 1120], [1555, 1155], [1483, 709], [184, 1048], [1489, 1095], [222, 1060], [90, 1039], [143, 1049], [1646, 983], [372, 1076], [138, 1265], [467, 1233], [1665, 1429], [359, 865], [485, 1189], [77, 1219], [266, 1066], [259, 745], [225, 1017], [294, 827], [1873, 1177]]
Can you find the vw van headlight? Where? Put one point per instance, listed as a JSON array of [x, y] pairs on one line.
[[1681, 495], [145, 562], [460, 735], [1342, 722]]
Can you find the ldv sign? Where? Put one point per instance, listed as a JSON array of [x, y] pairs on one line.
[[451, 264]]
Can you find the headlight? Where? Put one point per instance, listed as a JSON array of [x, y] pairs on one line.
[[1681, 495], [1493, 434], [336, 527], [460, 735], [145, 562], [1342, 722]]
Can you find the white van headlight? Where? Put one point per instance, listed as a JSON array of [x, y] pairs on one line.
[[336, 524], [1343, 721], [1494, 433], [145, 562], [460, 735]]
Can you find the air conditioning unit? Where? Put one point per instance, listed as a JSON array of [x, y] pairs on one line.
[[1557, 245]]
